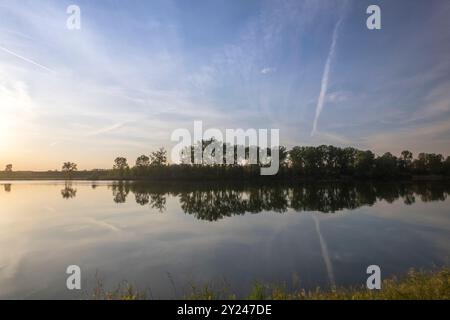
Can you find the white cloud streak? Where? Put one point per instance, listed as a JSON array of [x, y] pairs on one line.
[[106, 129], [26, 59], [325, 76]]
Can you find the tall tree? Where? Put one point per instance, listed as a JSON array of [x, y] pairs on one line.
[[120, 163], [8, 168], [386, 165], [365, 162], [68, 168], [142, 161], [159, 158], [405, 161]]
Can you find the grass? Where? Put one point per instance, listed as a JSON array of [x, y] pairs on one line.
[[415, 285]]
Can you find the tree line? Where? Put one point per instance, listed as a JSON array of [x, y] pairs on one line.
[[326, 162], [301, 161]]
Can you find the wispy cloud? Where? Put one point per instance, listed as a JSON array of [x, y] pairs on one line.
[[267, 70], [263, 70], [325, 76], [107, 129], [26, 59]]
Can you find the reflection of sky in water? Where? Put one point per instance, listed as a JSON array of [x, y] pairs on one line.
[[41, 233]]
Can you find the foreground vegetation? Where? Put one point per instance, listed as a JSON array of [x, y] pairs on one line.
[[416, 285]]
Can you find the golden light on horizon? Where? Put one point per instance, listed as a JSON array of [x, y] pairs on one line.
[[5, 131], [16, 107]]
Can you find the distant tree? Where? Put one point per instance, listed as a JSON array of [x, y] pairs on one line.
[[282, 155], [296, 158], [365, 162], [386, 165], [406, 156], [434, 163], [159, 158], [447, 166], [120, 163], [8, 168], [405, 161], [429, 163], [68, 168], [142, 161], [419, 164]]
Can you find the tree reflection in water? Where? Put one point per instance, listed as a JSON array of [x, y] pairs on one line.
[[120, 192], [209, 202], [68, 192]]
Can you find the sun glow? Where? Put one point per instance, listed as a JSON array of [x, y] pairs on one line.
[[5, 132], [15, 106]]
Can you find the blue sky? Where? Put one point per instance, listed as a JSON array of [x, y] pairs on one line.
[[137, 70]]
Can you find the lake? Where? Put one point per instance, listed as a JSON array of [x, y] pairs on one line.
[[166, 237]]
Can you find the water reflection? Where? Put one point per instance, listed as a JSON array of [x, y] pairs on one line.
[[212, 203], [68, 192], [113, 228], [7, 187], [120, 192], [326, 198]]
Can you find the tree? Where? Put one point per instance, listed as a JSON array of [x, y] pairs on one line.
[[419, 164], [8, 168], [282, 155], [68, 168], [447, 166], [159, 158], [142, 161], [405, 161], [406, 156], [365, 162], [120, 163], [429, 163], [386, 165], [296, 159]]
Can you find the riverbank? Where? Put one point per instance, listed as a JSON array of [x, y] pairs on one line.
[[415, 285], [233, 174]]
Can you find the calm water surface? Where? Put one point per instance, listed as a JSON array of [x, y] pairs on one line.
[[165, 237]]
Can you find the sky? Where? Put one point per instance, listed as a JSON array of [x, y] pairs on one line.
[[137, 70]]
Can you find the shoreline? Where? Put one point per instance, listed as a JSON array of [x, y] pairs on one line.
[[274, 179], [415, 284]]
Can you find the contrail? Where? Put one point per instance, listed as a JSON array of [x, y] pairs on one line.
[[325, 254], [326, 72], [26, 59], [106, 129]]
